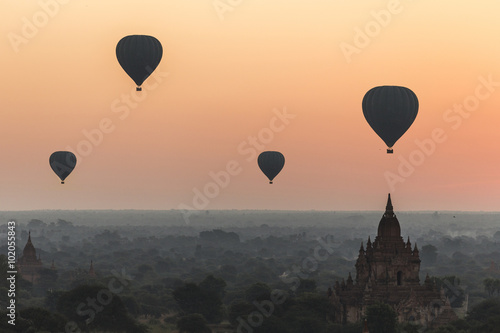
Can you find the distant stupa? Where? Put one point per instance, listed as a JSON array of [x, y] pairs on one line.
[[91, 270], [365, 327]]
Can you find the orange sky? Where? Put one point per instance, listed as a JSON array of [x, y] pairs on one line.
[[223, 77]]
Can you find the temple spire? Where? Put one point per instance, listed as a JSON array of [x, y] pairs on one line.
[[91, 270], [389, 225], [415, 251], [365, 327], [369, 243], [389, 210], [349, 280]]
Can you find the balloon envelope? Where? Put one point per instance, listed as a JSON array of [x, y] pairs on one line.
[[139, 55], [62, 162], [271, 163], [390, 111]]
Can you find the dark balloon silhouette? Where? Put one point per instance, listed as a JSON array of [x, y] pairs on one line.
[[390, 111], [139, 55], [271, 163], [62, 162]]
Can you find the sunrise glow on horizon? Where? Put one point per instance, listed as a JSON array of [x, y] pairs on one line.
[[241, 77]]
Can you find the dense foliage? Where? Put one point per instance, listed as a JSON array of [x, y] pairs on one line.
[[264, 278]]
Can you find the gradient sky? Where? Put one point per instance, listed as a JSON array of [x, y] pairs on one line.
[[223, 78]]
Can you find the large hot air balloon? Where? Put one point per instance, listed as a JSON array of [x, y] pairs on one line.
[[271, 163], [390, 111], [62, 162], [139, 55]]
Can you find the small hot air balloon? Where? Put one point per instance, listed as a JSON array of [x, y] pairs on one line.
[[390, 111], [139, 55], [62, 162], [271, 163]]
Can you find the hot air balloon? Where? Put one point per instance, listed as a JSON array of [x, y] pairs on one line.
[[390, 111], [271, 163], [62, 162], [139, 55]]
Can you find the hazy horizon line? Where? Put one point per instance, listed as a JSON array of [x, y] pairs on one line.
[[245, 210]]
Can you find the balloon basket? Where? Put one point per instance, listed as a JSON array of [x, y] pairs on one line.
[[62, 182], [138, 89], [390, 151], [270, 182]]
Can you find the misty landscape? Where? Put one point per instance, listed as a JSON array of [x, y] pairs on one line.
[[219, 269]]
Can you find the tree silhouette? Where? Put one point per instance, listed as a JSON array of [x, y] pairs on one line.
[[381, 318], [193, 299], [257, 292], [193, 323], [214, 285], [428, 254], [94, 307], [43, 320]]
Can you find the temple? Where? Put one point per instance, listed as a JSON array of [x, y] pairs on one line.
[[29, 266], [387, 271]]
